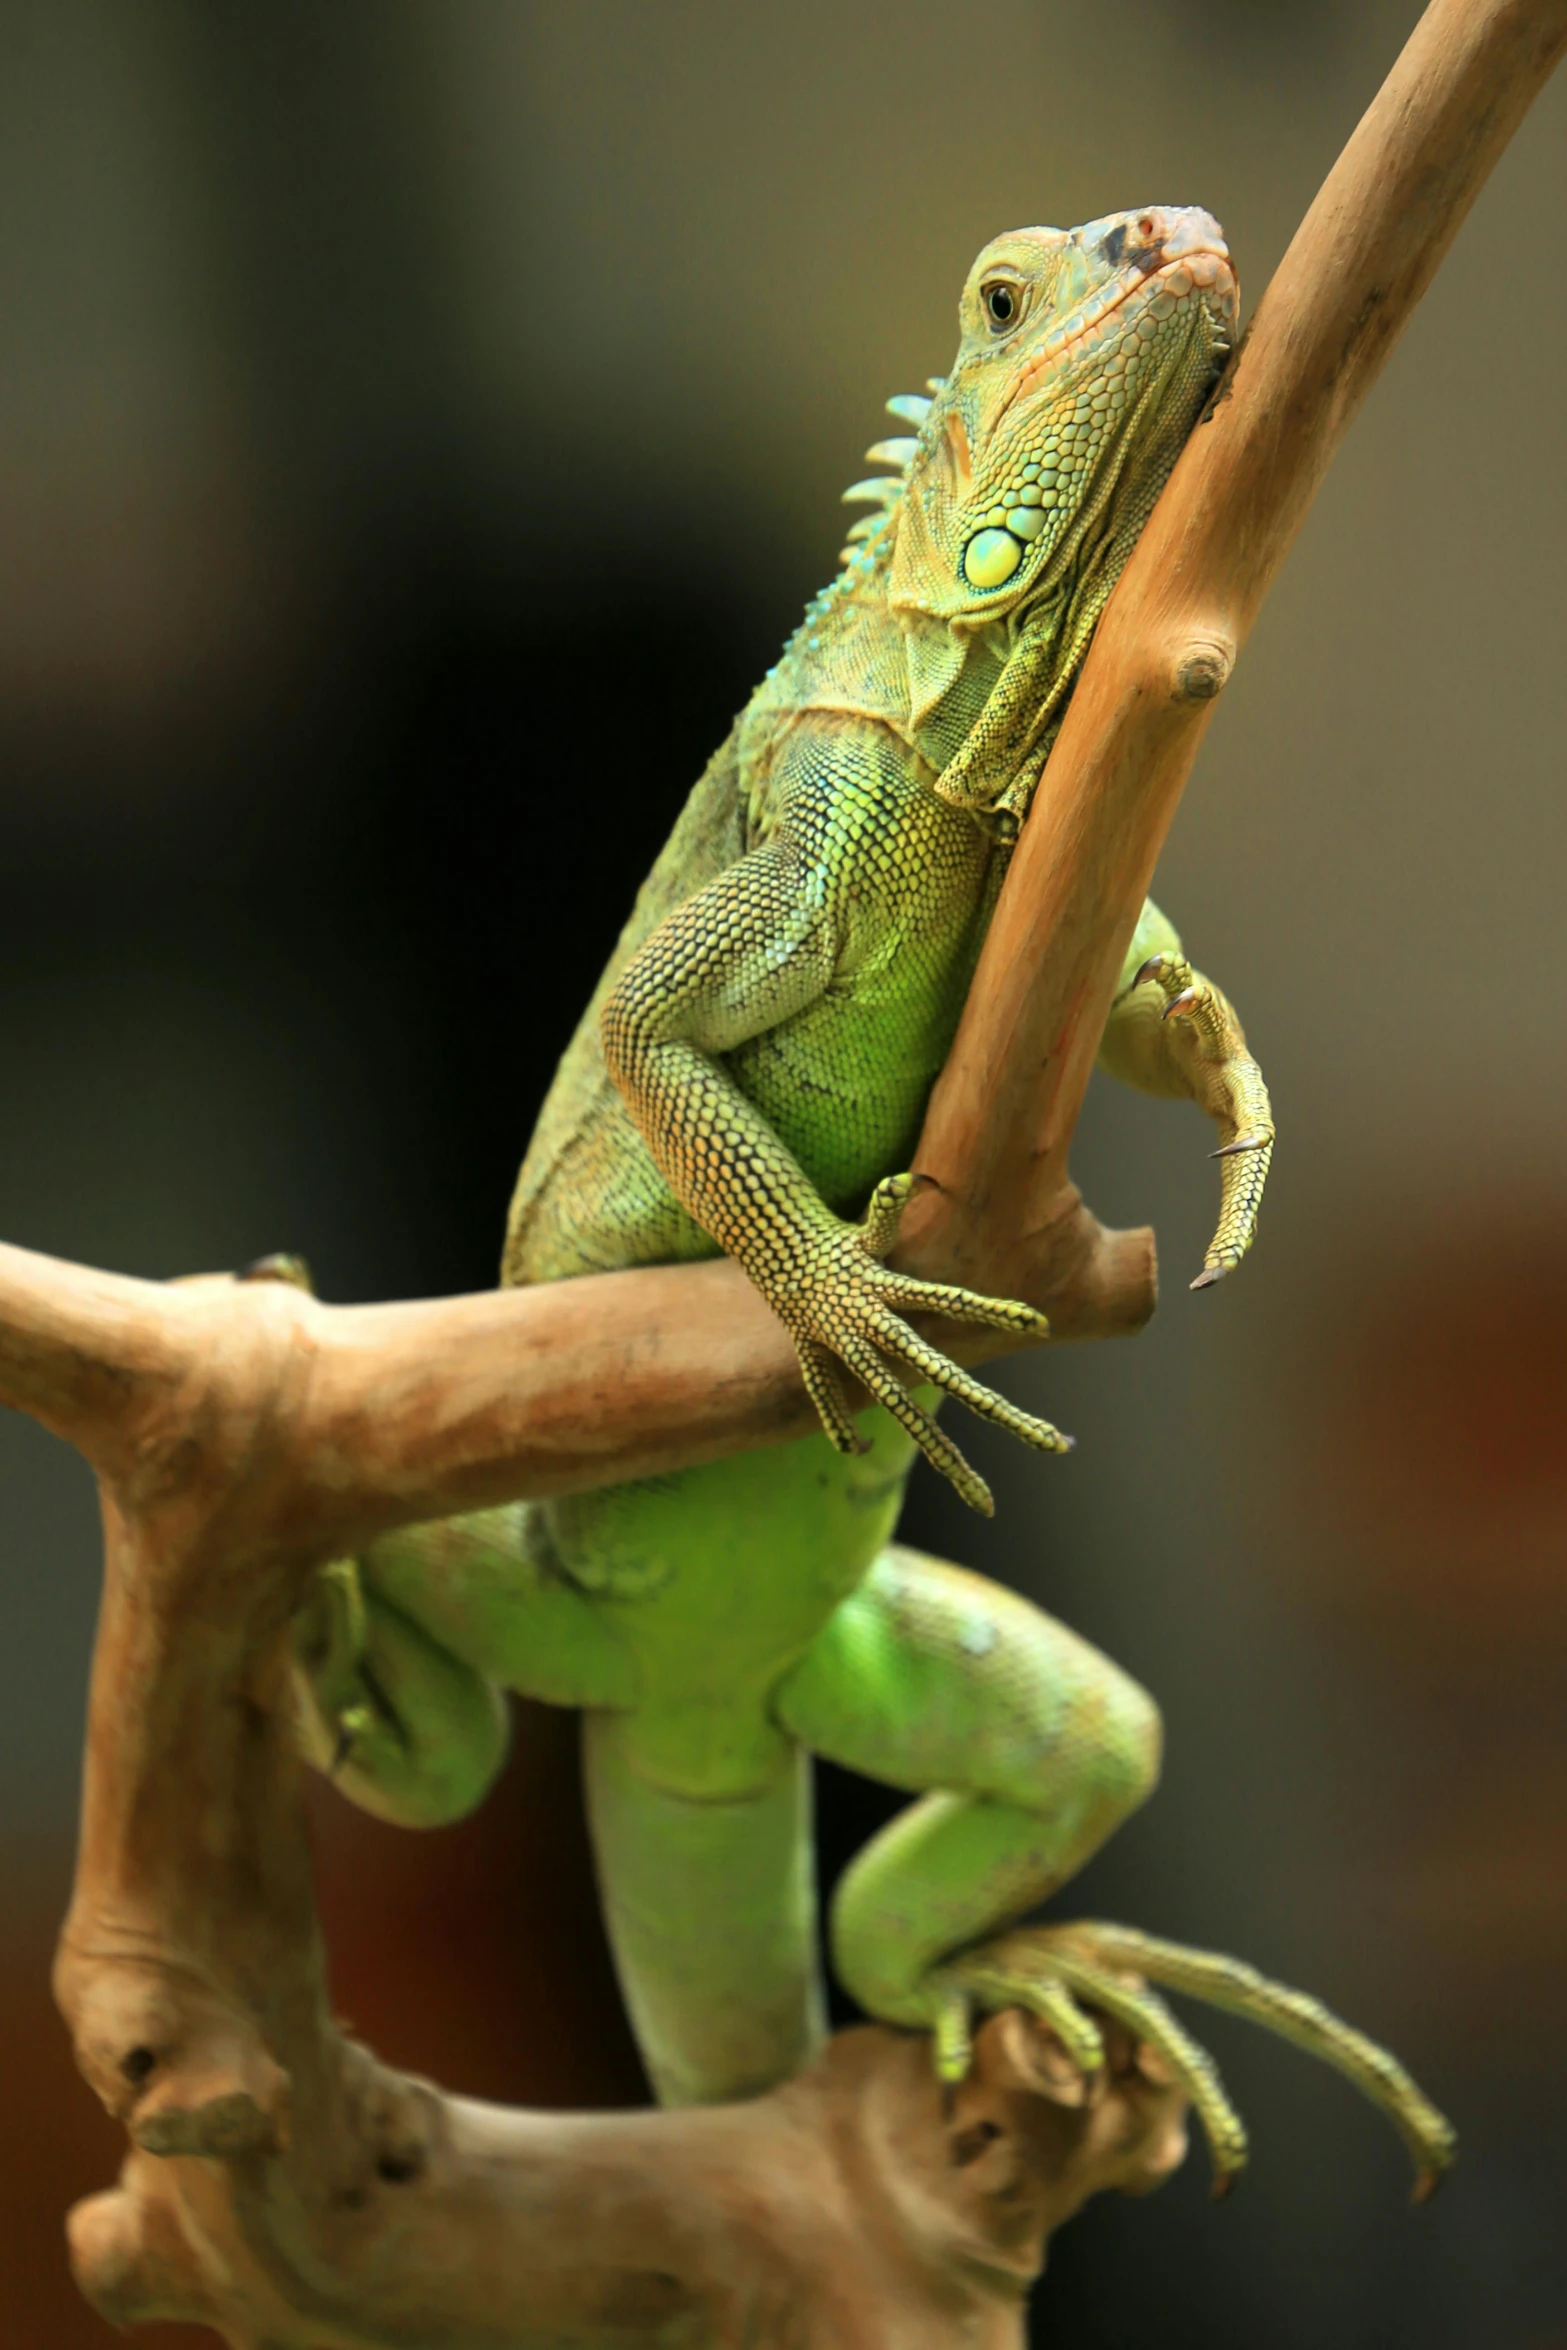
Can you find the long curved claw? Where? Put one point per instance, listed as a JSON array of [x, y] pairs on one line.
[[1247, 1142], [1029, 1970], [1238, 1989], [1156, 968], [1108, 1968], [1045, 1995]]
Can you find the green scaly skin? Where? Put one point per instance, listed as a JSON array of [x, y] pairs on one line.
[[751, 1076]]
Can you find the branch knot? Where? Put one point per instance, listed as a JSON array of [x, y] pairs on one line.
[[1202, 669]]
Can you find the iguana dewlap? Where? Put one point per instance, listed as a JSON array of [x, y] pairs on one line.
[[751, 1076]]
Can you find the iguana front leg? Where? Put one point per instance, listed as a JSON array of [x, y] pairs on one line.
[[1171, 1032], [759, 945]]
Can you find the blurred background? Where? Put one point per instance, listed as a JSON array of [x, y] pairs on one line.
[[419, 427]]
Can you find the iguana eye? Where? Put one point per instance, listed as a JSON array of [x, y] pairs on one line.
[[1001, 302]]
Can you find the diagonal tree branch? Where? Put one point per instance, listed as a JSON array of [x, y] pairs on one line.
[[1000, 1123]]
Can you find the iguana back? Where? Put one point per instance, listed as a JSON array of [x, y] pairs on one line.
[[551, 1233]]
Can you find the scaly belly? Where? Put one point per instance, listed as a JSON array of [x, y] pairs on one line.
[[718, 1578]]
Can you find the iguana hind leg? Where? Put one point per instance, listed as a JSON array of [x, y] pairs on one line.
[[1036, 1746], [401, 1657]]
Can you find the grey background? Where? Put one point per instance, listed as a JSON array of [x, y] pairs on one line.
[[418, 428]]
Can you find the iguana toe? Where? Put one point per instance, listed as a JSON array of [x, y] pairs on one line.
[[1108, 1968]]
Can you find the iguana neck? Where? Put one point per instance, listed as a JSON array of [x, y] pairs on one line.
[[981, 703]]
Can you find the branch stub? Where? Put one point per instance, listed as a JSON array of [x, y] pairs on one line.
[[1202, 669]]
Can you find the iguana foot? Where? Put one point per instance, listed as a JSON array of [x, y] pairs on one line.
[[281, 1265], [1229, 1085], [843, 1310], [337, 1683], [1050, 1970], [404, 1727]]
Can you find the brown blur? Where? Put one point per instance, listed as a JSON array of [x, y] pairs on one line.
[[419, 428]]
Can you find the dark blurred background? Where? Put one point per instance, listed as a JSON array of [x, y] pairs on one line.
[[419, 426]]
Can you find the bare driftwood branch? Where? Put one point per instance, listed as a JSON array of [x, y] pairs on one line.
[[283, 2185], [415, 1411], [288, 2189]]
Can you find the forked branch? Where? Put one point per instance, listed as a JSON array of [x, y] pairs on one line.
[[286, 2188]]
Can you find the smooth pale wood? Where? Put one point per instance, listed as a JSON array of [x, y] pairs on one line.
[[397, 1413], [416, 1411], [1001, 1119]]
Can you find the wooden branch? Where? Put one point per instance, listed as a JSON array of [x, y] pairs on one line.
[[289, 2190], [406, 1412], [285, 2187], [1000, 1123]]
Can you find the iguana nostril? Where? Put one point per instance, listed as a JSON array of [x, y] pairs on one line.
[[1139, 243]]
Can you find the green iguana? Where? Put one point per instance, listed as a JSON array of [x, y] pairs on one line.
[[751, 1076]]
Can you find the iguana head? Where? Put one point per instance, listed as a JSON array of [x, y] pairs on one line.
[[1085, 359]]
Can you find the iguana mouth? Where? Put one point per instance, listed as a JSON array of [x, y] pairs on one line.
[[1206, 269]]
